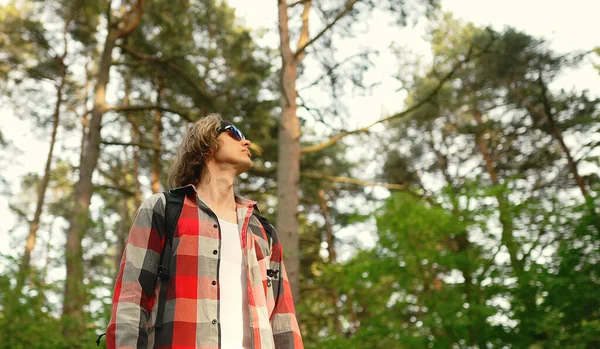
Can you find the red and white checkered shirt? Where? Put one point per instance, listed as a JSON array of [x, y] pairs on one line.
[[191, 308]]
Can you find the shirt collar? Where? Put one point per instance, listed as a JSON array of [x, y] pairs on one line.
[[190, 188]]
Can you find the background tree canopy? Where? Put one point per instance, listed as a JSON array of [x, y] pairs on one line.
[[463, 215]]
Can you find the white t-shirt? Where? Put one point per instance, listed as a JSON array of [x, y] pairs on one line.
[[235, 327]]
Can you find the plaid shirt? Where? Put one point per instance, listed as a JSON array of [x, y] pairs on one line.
[[191, 308]]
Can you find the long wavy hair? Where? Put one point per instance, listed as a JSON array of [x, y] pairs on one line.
[[198, 144]]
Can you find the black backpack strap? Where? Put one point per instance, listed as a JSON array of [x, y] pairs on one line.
[[173, 207], [99, 338], [269, 229], [266, 225], [271, 273]]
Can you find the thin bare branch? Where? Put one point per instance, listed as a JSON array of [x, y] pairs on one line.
[[342, 13], [428, 98], [299, 2], [123, 190], [390, 186], [134, 108], [139, 145], [304, 30], [131, 19], [167, 61], [491, 261], [334, 67], [319, 118]]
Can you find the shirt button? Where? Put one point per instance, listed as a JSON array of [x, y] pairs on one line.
[[214, 322], [215, 251], [215, 226], [214, 282]]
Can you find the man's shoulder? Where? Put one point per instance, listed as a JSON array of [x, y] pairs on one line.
[[155, 202]]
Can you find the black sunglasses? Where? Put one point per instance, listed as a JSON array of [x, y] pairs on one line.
[[233, 131]]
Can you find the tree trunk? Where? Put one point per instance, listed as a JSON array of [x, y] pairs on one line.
[[558, 135], [24, 267], [547, 115], [85, 122], [136, 168], [288, 173], [332, 259], [526, 292], [122, 231], [155, 178], [134, 132], [74, 295], [33, 228], [460, 243], [503, 205]]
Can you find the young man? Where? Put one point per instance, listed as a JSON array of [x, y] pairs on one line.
[[226, 285]]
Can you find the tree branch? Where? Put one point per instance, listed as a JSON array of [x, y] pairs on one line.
[[304, 30], [469, 56], [139, 145], [390, 186], [349, 180], [491, 261], [123, 190], [333, 140], [167, 61], [309, 110], [297, 3], [131, 19], [346, 9], [133, 108], [335, 66]]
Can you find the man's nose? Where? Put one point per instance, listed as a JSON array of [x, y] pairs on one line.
[[246, 142]]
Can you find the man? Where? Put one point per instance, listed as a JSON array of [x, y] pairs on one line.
[[226, 285]]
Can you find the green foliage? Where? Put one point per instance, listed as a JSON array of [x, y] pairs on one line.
[[23, 43], [474, 254], [28, 321], [491, 133], [571, 307]]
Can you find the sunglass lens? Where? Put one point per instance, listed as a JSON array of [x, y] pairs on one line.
[[237, 133]]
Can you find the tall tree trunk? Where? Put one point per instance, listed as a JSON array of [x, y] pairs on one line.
[[328, 227], [503, 205], [288, 173], [25, 264], [85, 122], [526, 292], [460, 243], [126, 180], [48, 260], [122, 230], [547, 115], [155, 178], [137, 199], [572, 164], [33, 228], [134, 132], [74, 295]]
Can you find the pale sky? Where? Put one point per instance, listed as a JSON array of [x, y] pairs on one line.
[[569, 26]]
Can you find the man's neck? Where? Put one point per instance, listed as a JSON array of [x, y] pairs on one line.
[[216, 190]]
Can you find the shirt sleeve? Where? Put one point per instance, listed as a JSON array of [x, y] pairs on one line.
[[284, 325], [133, 296]]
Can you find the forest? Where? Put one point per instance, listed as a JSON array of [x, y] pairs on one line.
[[466, 218]]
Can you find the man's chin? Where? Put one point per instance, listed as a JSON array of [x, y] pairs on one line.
[[245, 167]]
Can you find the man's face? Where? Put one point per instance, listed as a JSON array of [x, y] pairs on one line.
[[233, 152]]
